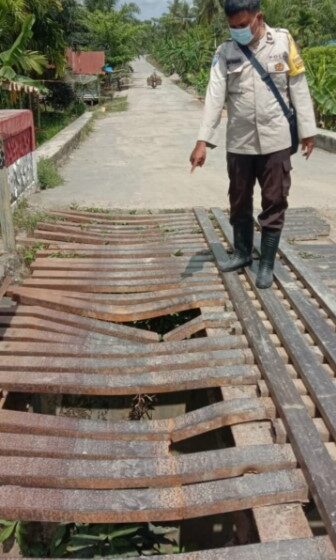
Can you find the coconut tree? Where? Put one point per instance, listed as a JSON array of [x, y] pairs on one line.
[[102, 5], [129, 11], [179, 17], [277, 12], [208, 10]]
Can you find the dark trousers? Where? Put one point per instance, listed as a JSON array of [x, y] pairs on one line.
[[273, 174]]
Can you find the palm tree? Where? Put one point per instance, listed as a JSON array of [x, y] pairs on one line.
[[102, 5], [325, 11], [174, 8], [180, 14], [278, 12], [208, 10], [129, 11]]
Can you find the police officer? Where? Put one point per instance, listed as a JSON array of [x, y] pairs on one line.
[[258, 134]]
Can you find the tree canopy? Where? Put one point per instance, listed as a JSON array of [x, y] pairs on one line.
[[58, 24]]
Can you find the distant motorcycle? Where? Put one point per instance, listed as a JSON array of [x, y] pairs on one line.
[[154, 80]]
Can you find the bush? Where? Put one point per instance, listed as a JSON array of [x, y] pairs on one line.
[[187, 53], [78, 108], [48, 176], [314, 55], [200, 80], [61, 95], [321, 74], [52, 122]]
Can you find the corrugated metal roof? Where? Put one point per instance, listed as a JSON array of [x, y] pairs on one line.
[[86, 62]]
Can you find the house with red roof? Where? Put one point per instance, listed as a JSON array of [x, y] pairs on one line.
[[85, 68], [87, 63]]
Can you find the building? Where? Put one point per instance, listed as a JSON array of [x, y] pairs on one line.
[[86, 67]]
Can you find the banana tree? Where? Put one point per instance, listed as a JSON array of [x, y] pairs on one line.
[[322, 83], [17, 63]]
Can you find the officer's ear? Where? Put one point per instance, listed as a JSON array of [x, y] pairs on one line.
[[259, 21], [260, 17]]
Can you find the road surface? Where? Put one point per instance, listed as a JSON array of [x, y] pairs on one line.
[[140, 159]]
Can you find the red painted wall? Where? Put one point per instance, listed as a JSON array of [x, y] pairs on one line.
[[17, 132]]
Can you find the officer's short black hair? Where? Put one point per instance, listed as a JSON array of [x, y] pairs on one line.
[[233, 7]]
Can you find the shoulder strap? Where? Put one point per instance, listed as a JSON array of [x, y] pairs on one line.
[[265, 76]]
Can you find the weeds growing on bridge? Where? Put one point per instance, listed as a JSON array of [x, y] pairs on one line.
[[28, 254], [27, 219]]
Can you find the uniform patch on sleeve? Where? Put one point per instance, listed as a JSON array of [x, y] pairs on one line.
[[295, 62]]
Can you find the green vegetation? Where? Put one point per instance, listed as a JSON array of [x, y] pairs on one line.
[[33, 41], [28, 254], [61, 255], [52, 122], [321, 74], [116, 105], [113, 31], [76, 540], [18, 59], [26, 219], [95, 210], [35, 33], [185, 38], [47, 174], [86, 130]]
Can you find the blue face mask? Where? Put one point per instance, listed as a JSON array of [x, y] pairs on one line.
[[244, 35]]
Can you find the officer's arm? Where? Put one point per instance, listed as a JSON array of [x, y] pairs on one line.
[[214, 100], [299, 93]]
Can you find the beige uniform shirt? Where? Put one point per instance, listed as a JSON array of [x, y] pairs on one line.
[[256, 122]]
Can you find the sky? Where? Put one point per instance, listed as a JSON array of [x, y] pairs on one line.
[[149, 8], [152, 8]]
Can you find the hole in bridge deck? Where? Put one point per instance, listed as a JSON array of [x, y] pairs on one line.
[[166, 323], [217, 531], [197, 534], [316, 524], [76, 540], [115, 409]]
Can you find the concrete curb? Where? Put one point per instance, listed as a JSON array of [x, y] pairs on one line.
[[60, 146], [326, 140]]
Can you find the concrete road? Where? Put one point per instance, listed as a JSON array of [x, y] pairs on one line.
[[140, 159]]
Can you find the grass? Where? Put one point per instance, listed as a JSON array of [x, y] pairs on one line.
[[95, 210], [70, 255], [48, 175], [28, 254], [52, 122], [25, 219], [86, 130], [117, 104]]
